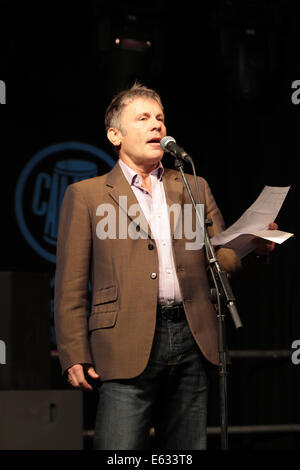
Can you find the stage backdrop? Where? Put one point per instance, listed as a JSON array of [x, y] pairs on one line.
[[227, 77]]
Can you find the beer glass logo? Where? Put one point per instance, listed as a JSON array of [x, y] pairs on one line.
[[41, 187], [2, 92]]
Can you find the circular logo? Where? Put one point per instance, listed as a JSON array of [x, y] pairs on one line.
[[41, 187]]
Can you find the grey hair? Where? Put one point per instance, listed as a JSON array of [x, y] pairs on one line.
[[114, 109]]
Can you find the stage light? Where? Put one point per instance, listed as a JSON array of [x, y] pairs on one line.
[[129, 42], [250, 37]]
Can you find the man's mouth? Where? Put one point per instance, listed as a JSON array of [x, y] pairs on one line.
[[154, 140]]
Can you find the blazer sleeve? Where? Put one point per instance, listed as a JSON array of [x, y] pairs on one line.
[[71, 279]]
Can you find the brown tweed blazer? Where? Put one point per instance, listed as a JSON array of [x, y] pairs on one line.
[[117, 336]]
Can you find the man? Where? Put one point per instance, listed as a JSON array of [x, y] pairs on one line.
[[152, 325]]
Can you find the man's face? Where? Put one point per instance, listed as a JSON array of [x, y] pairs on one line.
[[142, 125]]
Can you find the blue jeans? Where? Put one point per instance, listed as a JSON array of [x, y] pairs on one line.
[[170, 395]]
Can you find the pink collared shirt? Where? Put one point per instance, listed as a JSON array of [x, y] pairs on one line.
[[156, 212]]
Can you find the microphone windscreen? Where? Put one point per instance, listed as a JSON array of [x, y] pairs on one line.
[[165, 141]]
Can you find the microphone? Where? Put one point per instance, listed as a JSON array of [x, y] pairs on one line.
[[168, 144]]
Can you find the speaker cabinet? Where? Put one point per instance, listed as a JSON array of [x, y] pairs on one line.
[[24, 330], [41, 420]]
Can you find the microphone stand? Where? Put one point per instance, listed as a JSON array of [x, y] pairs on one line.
[[221, 293]]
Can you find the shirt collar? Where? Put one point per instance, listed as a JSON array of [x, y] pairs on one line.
[[132, 175]]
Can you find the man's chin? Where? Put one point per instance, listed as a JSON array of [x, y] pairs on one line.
[[155, 157], [155, 162]]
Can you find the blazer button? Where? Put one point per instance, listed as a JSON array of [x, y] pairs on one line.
[[150, 246], [153, 276]]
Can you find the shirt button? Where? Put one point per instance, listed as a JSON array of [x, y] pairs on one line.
[[153, 276], [150, 246]]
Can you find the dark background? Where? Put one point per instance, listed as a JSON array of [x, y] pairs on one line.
[[224, 70]]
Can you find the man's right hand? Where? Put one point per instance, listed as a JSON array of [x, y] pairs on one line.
[[77, 376]]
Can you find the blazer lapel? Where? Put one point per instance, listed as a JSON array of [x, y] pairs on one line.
[[121, 192], [174, 195], [124, 197]]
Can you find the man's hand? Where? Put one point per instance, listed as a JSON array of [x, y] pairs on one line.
[[77, 376], [264, 247]]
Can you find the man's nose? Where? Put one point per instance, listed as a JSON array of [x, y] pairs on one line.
[[156, 123]]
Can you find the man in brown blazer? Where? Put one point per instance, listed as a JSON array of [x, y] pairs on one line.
[[152, 324]]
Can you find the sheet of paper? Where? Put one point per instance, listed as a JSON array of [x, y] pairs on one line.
[[254, 223]]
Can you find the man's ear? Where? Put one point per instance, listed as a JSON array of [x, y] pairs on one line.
[[114, 136]]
